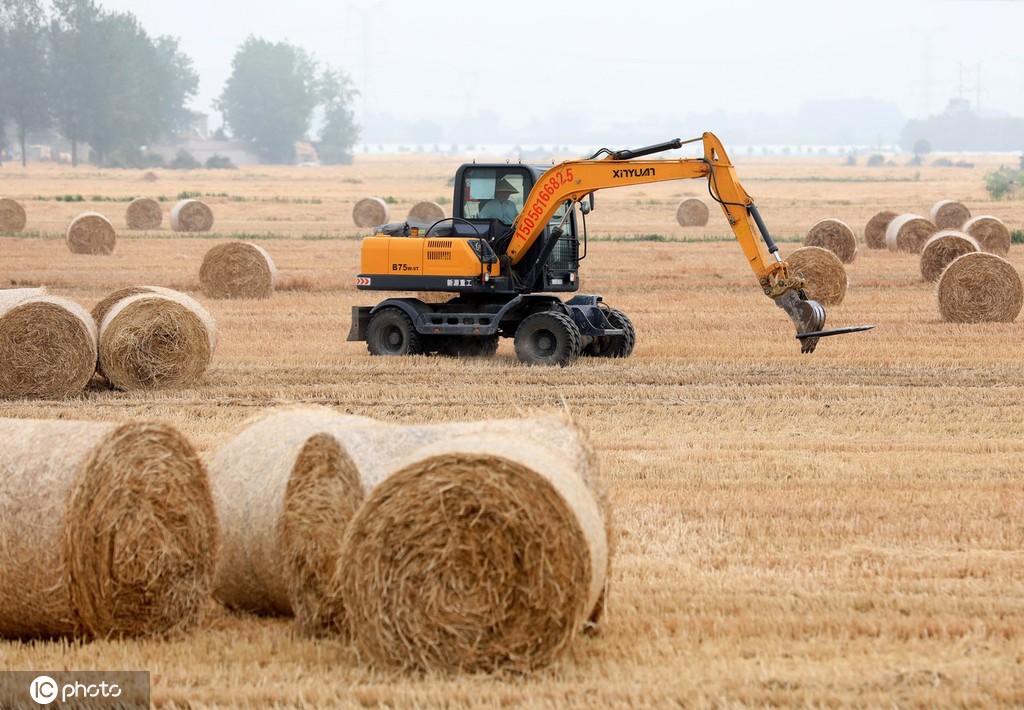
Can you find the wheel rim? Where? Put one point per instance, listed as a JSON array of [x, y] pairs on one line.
[[393, 339], [545, 343]]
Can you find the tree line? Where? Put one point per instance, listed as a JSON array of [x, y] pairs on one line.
[[99, 79]]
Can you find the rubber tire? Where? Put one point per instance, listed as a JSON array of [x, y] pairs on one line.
[[614, 345], [391, 332], [466, 345], [547, 338]]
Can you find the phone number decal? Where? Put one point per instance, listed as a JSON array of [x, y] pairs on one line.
[[545, 192]]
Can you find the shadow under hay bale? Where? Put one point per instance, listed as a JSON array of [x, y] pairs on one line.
[[48, 347], [426, 211], [909, 232], [834, 235], [874, 230], [144, 213], [825, 279], [191, 216], [692, 212], [942, 248], [91, 233], [504, 543], [370, 212], [980, 287], [107, 530], [990, 233], [238, 270], [157, 339], [12, 215], [949, 214]]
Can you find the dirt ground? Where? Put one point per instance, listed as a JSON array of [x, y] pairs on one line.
[[834, 529]]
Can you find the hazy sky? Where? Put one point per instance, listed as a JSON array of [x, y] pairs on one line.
[[620, 60]]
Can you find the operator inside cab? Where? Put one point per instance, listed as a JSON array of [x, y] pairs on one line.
[[501, 206]]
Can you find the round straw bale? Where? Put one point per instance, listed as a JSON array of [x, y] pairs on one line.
[[47, 348], [479, 553], [427, 211], [990, 233], [370, 212], [107, 530], [949, 214], [942, 248], [143, 213], [285, 488], [191, 216], [692, 212], [980, 287], [91, 233], [824, 275], [874, 230], [834, 235], [909, 232], [238, 270], [159, 339], [100, 310], [12, 215]]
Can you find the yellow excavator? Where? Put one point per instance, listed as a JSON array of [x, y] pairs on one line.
[[514, 242]]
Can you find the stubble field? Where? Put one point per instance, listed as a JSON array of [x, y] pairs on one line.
[[835, 529]]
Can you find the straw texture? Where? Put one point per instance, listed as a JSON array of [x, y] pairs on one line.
[[824, 275], [990, 232], [479, 553], [90, 233], [12, 215], [949, 214], [144, 213], [47, 346], [909, 232], [157, 339], [238, 270], [943, 248], [980, 287], [370, 212], [106, 530], [692, 212], [874, 231], [834, 235], [426, 211], [191, 216]]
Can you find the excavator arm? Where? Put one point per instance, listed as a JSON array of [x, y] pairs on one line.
[[576, 179]]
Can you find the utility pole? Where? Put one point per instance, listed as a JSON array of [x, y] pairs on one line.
[[365, 15]]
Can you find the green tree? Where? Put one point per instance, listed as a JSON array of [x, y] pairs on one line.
[[113, 86], [23, 68], [340, 132], [269, 97]]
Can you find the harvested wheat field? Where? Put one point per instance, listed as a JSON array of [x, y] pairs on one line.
[[835, 529]]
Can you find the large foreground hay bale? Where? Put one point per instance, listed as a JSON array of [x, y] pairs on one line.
[[479, 553], [980, 287], [834, 235], [191, 216], [47, 347], [144, 213], [942, 248], [824, 275], [238, 270], [90, 233], [874, 230], [990, 233], [909, 232], [155, 340], [370, 212], [429, 212], [692, 212], [106, 530], [949, 214], [12, 215], [285, 487]]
